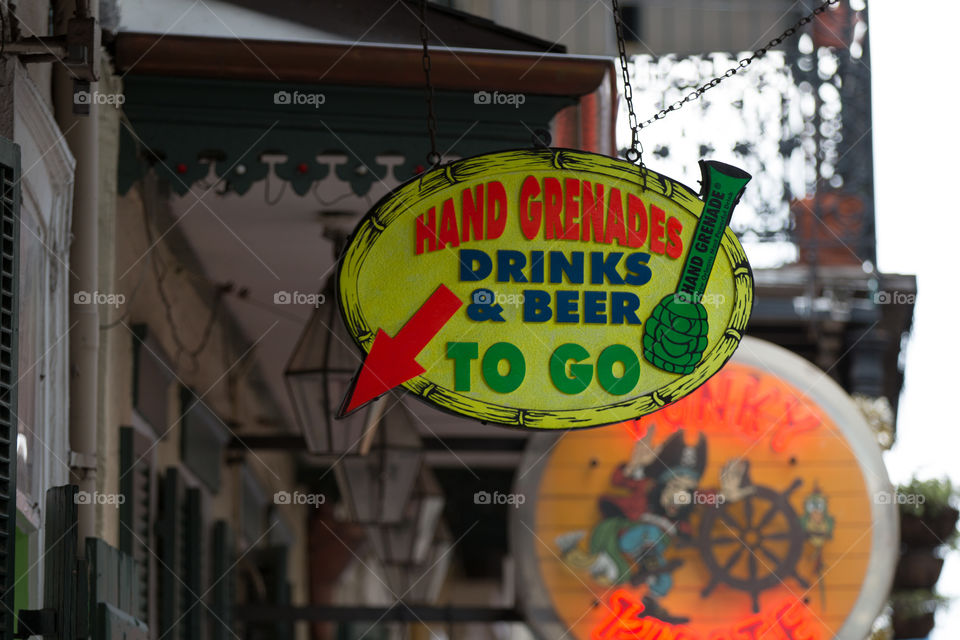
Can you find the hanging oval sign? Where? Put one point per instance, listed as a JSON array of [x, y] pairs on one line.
[[756, 508], [546, 288]]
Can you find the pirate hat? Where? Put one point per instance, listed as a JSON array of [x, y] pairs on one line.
[[678, 458]]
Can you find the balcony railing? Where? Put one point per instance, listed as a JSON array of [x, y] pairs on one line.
[[798, 120]]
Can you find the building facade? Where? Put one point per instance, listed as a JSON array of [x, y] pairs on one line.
[[182, 176]]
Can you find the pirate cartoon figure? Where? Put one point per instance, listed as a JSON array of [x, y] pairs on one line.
[[649, 507]]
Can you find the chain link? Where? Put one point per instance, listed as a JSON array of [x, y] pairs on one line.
[[635, 152], [699, 91], [433, 158]]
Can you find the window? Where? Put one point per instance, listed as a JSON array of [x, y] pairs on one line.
[[203, 437], [34, 293], [138, 513], [632, 27], [152, 376]]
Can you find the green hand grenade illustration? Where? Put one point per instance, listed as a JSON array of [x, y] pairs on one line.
[[675, 334]]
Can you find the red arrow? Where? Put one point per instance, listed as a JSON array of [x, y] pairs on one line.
[[392, 361]]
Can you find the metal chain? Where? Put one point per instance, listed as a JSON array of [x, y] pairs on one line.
[[743, 64], [433, 158], [635, 152]]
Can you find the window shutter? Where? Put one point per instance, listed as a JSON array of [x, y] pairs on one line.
[[9, 277], [632, 22], [113, 593], [253, 507], [192, 573], [169, 540], [60, 557], [152, 377], [203, 438], [224, 583], [273, 566], [135, 536]]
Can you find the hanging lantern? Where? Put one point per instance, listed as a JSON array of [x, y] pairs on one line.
[[407, 543], [377, 486], [318, 377], [422, 583]]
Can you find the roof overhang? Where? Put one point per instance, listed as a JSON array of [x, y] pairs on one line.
[[337, 63]]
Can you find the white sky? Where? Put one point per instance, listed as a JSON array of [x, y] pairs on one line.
[[916, 132]]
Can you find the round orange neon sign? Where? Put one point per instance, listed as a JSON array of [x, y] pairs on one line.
[[750, 509]]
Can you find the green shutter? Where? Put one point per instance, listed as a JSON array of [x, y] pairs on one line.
[[114, 624], [113, 592], [362, 631], [191, 626], [21, 592], [9, 316], [60, 559], [273, 566], [169, 540], [203, 438], [127, 488], [152, 376], [224, 583], [136, 475]]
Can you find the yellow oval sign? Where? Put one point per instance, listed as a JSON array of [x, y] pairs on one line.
[[546, 288]]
